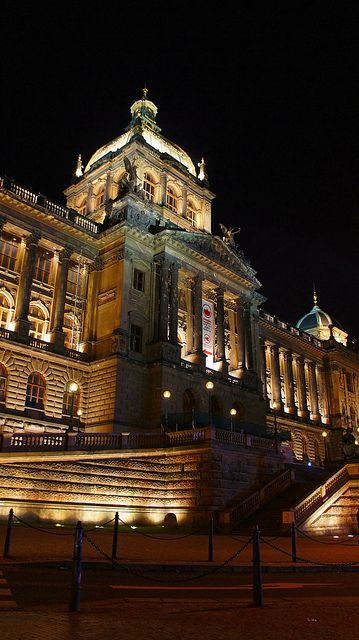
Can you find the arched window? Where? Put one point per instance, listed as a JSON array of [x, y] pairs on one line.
[[43, 266], [71, 403], [99, 199], [172, 199], [3, 383], [35, 391], [5, 311], [38, 324], [191, 214], [149, 186]]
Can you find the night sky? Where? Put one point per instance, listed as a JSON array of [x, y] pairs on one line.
[[269, 96]]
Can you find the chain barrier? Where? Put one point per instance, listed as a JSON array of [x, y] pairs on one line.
[[323, 564], [306, 535], [139, 574], [148, 535]]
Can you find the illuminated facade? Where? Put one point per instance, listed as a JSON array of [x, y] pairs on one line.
[[125, 292]]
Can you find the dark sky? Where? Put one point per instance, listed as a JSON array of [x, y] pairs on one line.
[[270, 97]]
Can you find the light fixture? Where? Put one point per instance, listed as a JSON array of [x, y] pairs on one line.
[[324, 434], [209, 385], [166, 393], [73, 387], [233, 411]]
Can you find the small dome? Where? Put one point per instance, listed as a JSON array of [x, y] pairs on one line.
[[315, 319], [144, 114]]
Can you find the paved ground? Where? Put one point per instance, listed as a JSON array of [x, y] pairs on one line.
[[289, 617]]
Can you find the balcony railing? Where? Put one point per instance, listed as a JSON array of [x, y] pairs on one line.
[[38, 200], [287, 327], [5, 334]]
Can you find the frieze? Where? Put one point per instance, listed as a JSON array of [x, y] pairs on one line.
[[106, 296]]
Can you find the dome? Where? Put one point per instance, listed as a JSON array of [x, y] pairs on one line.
[[144, 123], [315, 319]]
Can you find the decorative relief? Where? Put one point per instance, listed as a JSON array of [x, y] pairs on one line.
[[105, 297]]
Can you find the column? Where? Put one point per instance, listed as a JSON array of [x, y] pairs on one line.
[[89, 333], [240, 335], [173, 332], [197, 337], [108, 186], [323, 393], [164, 293], [90, 199], [288, 381], [190, 311], [313, 390], [301, 390], [248, 337], [184, 202], [163, 184], [263, 367], [22, 323], [275, 377], [58, 307], [221, 349]]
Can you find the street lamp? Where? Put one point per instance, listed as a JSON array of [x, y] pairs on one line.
[[73, 389], [233, 412], [325, 435], [166, 394], [79, 414], [209, 386]]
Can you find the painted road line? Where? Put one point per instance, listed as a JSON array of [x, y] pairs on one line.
[[244, 587], [7, 600]]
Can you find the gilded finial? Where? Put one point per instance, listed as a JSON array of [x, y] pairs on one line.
[[79, 167], [315, 298], [144, 92], [202, 170]]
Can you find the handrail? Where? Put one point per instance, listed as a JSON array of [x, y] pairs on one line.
[[303, 509], [246, 507]]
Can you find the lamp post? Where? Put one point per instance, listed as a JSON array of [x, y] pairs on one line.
[[73, 388], [325, 435], [233, 412], [79, 414], [166, 395], [209, 387]]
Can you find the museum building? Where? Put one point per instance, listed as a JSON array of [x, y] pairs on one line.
[[121, 312]]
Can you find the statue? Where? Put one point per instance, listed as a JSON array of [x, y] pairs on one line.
[[228, 235], [129, 183], [348, 443]]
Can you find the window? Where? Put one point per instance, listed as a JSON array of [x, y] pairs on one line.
[[3, 383], [191, 214], [136, 338], [71, 403], [5, 311], [71, 330], [349, 378], [43, 266], [149, 186], [138, 280], [73, 281], [37, 319], [35, 391], [172, 200], [8, 252], [99, 199], [83, 208]]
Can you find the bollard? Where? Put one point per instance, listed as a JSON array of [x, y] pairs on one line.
[[115, 539], [294, 542], [257, 571], [210, 540], [76, 569], [7, 542]]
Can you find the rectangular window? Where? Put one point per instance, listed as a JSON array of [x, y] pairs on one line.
[[138, 280], [8, 252], [73, 281], [349, 382], [43, 267], [136, 338]]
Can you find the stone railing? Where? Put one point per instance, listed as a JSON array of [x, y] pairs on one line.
[[37, 199], [5, 334], [316, 498], [72, 441], [288, 327], [246, 507]]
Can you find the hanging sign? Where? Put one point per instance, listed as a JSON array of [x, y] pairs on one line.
[[207, 327]]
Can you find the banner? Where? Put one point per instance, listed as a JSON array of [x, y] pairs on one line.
[[207, 328]]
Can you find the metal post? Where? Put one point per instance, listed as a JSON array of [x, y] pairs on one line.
[[76, 569], [210, 540], [257, 571], [294, 542], [8, 533], [115, 538]]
